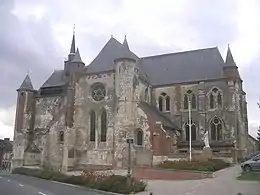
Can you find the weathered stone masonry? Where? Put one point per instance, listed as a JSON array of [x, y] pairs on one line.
[[82, 115]]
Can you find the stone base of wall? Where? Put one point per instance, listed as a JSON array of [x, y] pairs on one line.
[[164, 174]]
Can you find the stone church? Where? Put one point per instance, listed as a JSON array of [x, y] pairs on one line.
[[83, 114]]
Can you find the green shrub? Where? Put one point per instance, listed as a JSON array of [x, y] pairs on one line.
[[106, 181], [219, 164], [208, 165], [27, 171], [119, 184]]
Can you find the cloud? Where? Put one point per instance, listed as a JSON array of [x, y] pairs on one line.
[[36, 35], [7, 117]]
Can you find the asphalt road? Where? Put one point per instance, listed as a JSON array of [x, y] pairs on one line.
[[23, 185]]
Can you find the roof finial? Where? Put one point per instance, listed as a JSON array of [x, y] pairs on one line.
[[74, 29], [28, 72], [111, 35], [125, 44]]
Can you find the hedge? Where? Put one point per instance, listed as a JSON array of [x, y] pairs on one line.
[[210, 165], [105, 181]]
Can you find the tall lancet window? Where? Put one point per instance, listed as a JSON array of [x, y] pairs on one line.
[[92, 126], [103, 126]]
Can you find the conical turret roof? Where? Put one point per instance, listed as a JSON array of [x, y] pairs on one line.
[[26, 84]]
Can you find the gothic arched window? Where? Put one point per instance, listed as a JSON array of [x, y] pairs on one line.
[[92, 126], [167, 103], [215, 98], [139, 137], [103, 126], [219, 99], [164, 102], [193, 131], [211, 101], [160, 103], [146, 94], [193, 102], [216, 129], [186, 101]]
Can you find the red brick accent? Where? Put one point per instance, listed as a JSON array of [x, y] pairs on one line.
[[161, 145], [164, 174]]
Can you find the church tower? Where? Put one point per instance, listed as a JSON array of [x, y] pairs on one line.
[[74, 63], [239, 131], [230, 68], [126, 81], [24, 120]]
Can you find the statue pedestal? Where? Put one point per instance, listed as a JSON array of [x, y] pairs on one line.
[[207, 153]]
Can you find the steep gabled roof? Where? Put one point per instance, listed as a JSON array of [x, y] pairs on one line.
[[56, 79], [196, 65], [105, 59]]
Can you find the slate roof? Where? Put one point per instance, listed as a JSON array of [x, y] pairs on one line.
[[229, 58], [154, 113], [77, 57], [105, 59], [180, 67], [56, 79], [196, 65], [26, 84]]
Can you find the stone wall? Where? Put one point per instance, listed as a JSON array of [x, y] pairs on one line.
[[94, 152], [203, 114]]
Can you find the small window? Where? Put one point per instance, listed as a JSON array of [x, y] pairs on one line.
[[163, 94], [215, 90], [186, 102], [160, 103], [61, 136], [167, 103], [219, 99], [211, 101], [139, 137], [193, 102]]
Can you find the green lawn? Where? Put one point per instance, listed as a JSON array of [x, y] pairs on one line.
[[249, 176]]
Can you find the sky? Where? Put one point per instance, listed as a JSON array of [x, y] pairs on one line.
[[35, 38]]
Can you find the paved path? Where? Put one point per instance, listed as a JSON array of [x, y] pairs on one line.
[[22, 185], [224, 183]]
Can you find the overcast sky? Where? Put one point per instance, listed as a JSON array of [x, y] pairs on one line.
[[35, 36]]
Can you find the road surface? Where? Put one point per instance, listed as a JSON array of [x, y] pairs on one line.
[[23, 185], [224, 183]]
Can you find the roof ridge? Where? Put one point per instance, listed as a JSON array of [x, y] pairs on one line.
[[181, 52]]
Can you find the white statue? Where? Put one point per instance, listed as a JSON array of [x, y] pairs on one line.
[[206, 139]]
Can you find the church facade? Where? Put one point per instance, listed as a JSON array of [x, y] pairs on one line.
[[82, 115]]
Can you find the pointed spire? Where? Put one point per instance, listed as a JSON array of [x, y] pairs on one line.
[[125, 44], [73, 47], [77, 57], [26, 84], [229, 59]]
